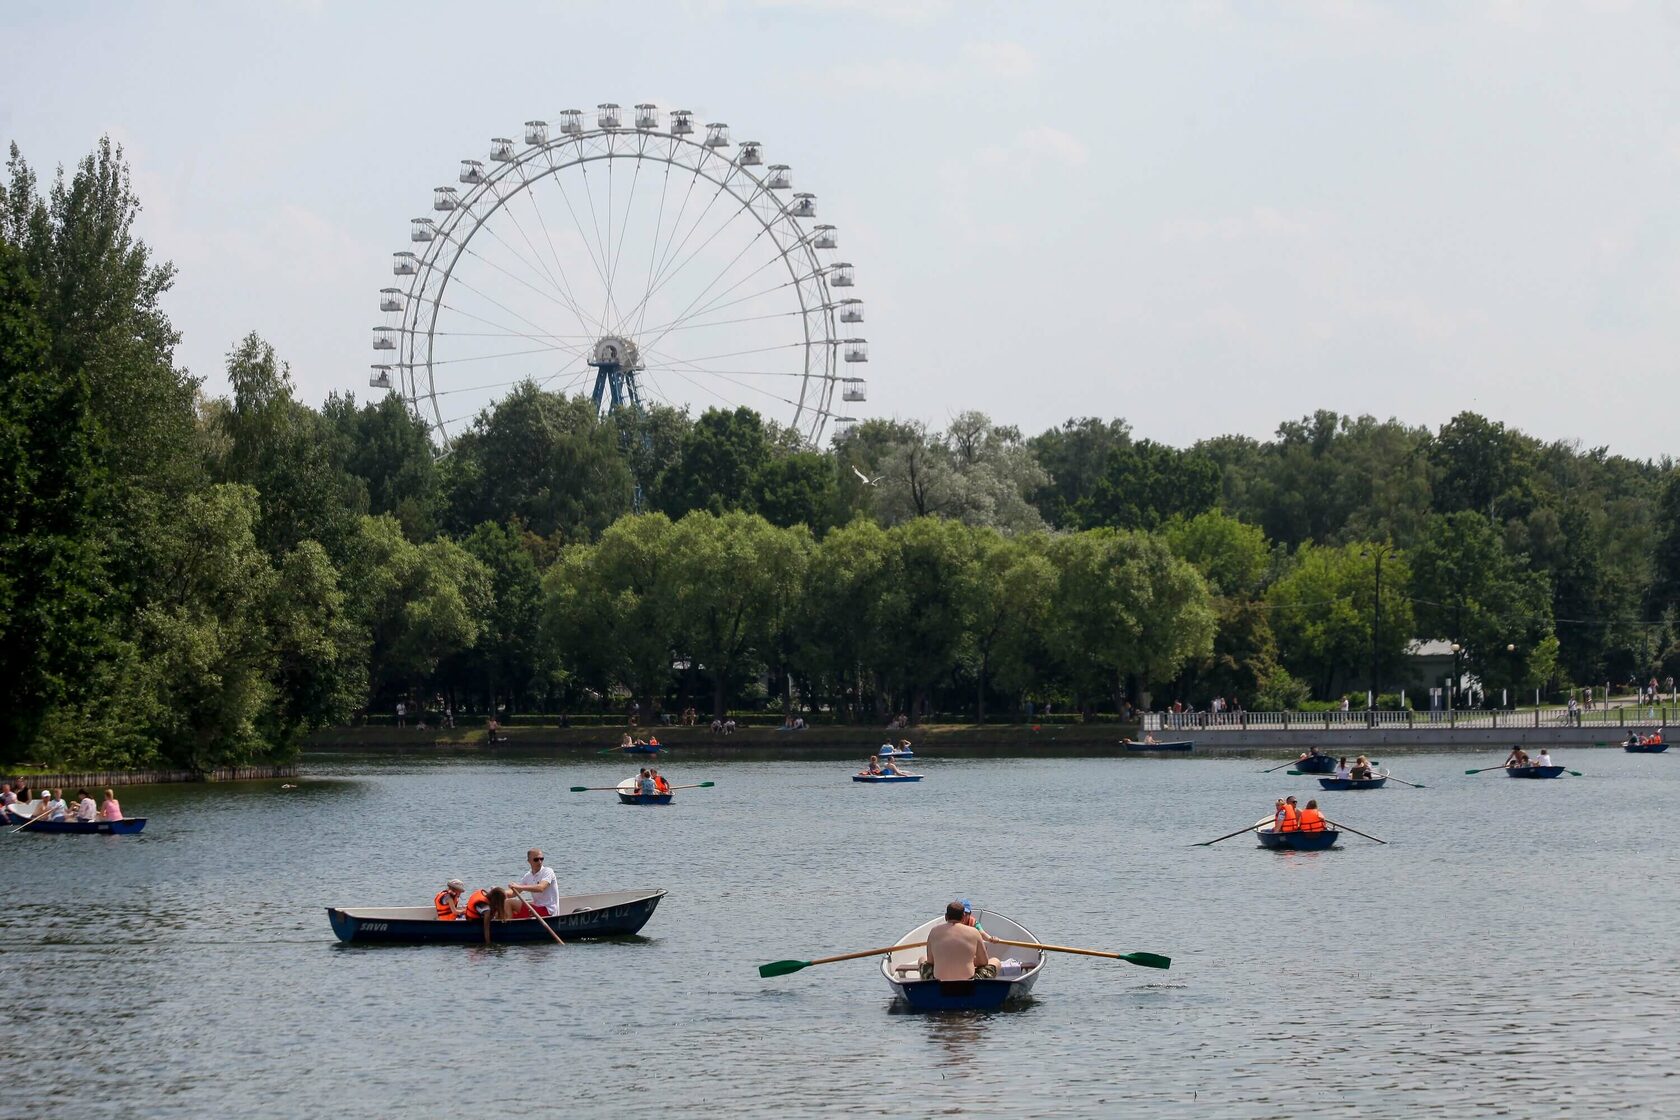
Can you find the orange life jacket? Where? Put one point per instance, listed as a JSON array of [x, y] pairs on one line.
[[661, 784], [1291, 819], [477, 904], [1312, 820], [445, 906]]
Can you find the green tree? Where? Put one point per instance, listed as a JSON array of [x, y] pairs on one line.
[[797, 489], [609, 608], [417, 603], [1233, 557], [508, 659], [318, 651], [1145, 483], [386, 448], [926, 606], [1013, 591], [840, 623], [548, 460], [1482, 465], [1322, 613], [1075, 456], [1130, 608], [721, 459], [734, 571], [1470, 590]]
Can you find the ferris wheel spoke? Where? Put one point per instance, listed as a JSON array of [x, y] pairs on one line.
[[536, 268], [777, 259], [683, 325], [623, 229], [714, 280], [561, 281], [595, 223], [674, 273], [658, 226], [657, 264], [657, 281], [687, 322], [565, 196], [498, 357], [537, 327], [740, 384], [520, 280]]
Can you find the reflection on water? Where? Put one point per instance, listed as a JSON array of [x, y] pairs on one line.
[[1506, 952]]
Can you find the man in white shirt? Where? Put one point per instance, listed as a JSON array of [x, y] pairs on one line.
[[55, 804], [540, 883]]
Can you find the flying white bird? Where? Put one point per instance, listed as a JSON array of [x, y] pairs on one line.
[[865, 479]]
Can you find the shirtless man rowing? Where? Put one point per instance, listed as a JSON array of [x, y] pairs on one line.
[[955, 950]]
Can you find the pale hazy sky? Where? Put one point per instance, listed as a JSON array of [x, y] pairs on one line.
[[1206, 217]]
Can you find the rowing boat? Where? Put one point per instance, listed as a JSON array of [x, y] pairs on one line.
[[612, 914], [1265, 830], [627, 795], [1352, 783], [1645, 748], [128, 826], [1181, 745], [879, 778], [964, 995], [1534, 771], [1315, 764]]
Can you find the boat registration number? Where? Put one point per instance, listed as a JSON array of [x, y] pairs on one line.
[[376, 927]]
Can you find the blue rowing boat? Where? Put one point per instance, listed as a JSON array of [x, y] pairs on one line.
[[627, 795], [1265, 830], [1315, 764], [880, 778], [613, 914], [1352, 783], [128, 826], [1645, 748], [980, 994], [1180, 745], [1534, 771], [890, 751]]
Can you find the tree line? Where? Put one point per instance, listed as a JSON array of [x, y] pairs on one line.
[[196, 580]]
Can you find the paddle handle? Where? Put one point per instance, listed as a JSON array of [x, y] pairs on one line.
[[868, 953], [1355, 831]]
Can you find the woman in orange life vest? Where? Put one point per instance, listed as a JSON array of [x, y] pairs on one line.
[[1291, 817], [448, 901], [493, 901], [1311, 819], [660, 783]]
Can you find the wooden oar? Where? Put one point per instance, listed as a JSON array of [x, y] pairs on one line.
[[614, 789], [1227, 836], [783, 968], [1147, 960], [1355, 831], [548, 929], [1404, 782], [1291, 762], [39, 817]]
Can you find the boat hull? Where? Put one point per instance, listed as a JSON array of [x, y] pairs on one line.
[[893, 752], [615, 914], [1298, 841], [965, 995], [1534, 771], [1644, 748], [645, 798], [1315, 764], [1181, 745], [128, 826], [1352, 783], [878, 779]]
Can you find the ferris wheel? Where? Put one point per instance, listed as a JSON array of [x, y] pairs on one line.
[[641, 262]]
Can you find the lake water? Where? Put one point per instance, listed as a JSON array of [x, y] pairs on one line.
[[1507, 953]]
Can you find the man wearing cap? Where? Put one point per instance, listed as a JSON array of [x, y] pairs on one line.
[[540, 883], [956, 949], [448, 901]]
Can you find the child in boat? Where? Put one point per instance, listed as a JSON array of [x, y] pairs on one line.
[[872, 768]]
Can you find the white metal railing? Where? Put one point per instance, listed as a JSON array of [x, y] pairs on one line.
[[1621, 715]]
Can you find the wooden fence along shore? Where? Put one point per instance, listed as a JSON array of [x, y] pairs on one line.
[[114, 778]]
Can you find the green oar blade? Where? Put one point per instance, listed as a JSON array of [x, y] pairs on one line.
[[706, 785], [580, 789], [1147, 960], [781, 968], [1293, 773]]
